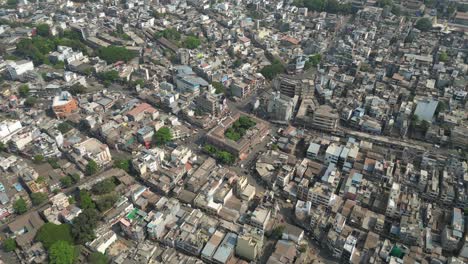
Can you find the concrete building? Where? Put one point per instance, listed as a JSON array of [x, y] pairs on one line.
[[64, 104], [93, 149], [260, 218], [325, 118], [280, 108], [250, 244], [293, 85], [17, 68]]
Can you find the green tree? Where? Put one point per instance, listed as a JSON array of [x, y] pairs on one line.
[[43, 30], [225, 157], [277, 232], [382, 3], [313, 61], [270, 71], [85, 200], [20, 206], [38, 198], [110, 76], [53, 163], [75, 177], [30, 101], [84, 225], [219, 87], [98, 258], [23, 90], [423, 24], [61, 252], [38, 159], [106, 202], [51, 233], [2, 146], [9, 244], [66, 181], [112, 54], [443, 56], [64, 127], [123, 165], [163, 135], [92, 167], [441, 107], [169, 33], [103, 187], [12, 3], [191, 42], [77, 89]]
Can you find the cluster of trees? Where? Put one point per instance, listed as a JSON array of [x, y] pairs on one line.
[[163, 135], [124, 164], [220, 155], [191, 42], [423, 24], [69, 180], [219, 87], [9, 244], [77, 88], [108, 77], [239, 128], [169, 33], [270, 71], [23, 90], [104, 187], [114, 54], [330, 6], [313, 61], [64, 127], [38, 198], [38, 47]]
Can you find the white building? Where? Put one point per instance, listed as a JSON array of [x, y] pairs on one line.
[[18, 68], [8, 128]]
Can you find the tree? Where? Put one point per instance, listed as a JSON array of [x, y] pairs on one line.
[[443, 56], [424, 125], [85, 200], [219, 87], [20, 206], [103, 187], [382, 3], [30, 101], [66, 181], [441, 107], [92, 167], [38, 198], [61, 252], [51, 233], [38, 159], [84, 225], [225, 157], [43, 30], [110, 76], [169, 33], [191, 42], [9, 244], [424, 24], [277, 232], [53, 163], [75, 177], [313, 61], [12, 3], [270, 71], [64, 127], [77, 88], [106, 202], [23, 90], [163, 135], [113, 54], [2, 146], [123, 165], [98, 258]]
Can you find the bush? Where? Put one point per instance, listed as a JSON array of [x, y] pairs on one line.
[[53, 163], [64, 127], [50, 233], [38, 159], [23, 90], [30, 101], [123, 165]]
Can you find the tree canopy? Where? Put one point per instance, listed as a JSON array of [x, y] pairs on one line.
[[84, 225], [163, 135], [98, 258], [20, 206], [191, 42], [50, 233], [38, 198], [169, 33], [112, 54], [43, 30], [270, 71], [23, 90], [423, 24], [61, 252], [85, 200], [9, 244], [330, 6], [92, 167], [103, 187]]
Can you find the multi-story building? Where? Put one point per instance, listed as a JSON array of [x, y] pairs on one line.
[[260, 218], [280, 108], [17, 68], [250, 243], [64, 104], [325, 118], [453, 233]]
